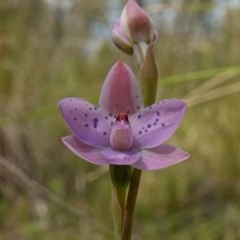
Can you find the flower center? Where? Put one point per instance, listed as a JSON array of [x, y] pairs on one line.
[[121, 137], [122, 117]]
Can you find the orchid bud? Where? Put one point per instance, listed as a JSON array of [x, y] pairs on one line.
[[132, 27]]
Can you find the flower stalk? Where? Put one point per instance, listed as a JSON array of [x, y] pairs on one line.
[[130, 206], [120, 178], [148, 81], [148, 77]]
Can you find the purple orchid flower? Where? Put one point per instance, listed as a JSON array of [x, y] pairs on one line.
[[120, 131]]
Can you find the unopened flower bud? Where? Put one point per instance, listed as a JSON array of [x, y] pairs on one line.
[[132, 27]]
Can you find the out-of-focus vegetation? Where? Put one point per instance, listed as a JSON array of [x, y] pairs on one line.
[[49, 52]]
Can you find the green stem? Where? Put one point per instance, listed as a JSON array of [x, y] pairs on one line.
[[118, 203], [131, 201], [120, 177]]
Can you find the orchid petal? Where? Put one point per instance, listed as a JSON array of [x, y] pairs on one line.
[[86, 121], [115, 157], [155, 124], [159, 157], [119, 38], [89, 153], [121, 92]]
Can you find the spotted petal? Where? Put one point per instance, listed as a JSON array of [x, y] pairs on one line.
[[160, 157], [115, 157], [121, 91], [86, 121], [155, 124], [89, 153]]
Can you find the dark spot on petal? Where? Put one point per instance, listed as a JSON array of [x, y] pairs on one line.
[[75, 109], [86, 125], [104, 133], [150, 107], [90, 109], [156, 120], [85, 115], [149, 125], [77, 98], [70, 100], [140, 132], [139, 116], [158, 113], [163, 124], [163, 101], [136, 96], [154, 124], [95, 123], [128, 112], [143, 127], [138, 107], [75, 119], [110, 114], [95, 120], [106, 117], [70, 111], [146, 130], [95, 108], [116, 105]]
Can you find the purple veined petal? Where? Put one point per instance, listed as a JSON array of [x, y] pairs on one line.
[[89, 153], [160, 157], [121, 92], [119, 38], [155, 124], [86, 121], [115, 157]]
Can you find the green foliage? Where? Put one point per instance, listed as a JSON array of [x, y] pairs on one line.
[[44, 58]]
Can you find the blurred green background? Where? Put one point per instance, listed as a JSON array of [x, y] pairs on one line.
[[54, 49]]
